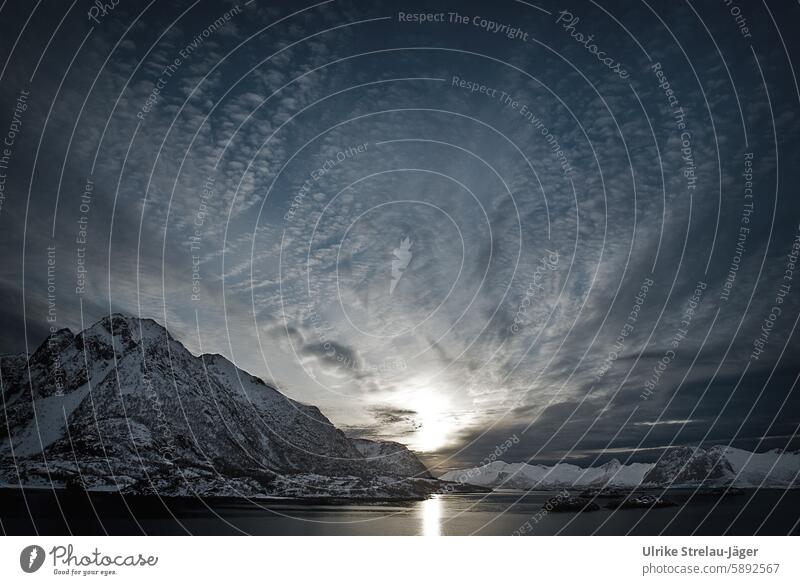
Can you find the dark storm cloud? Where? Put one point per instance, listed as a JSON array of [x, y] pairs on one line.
[[398, 420], [390, 422], [332, 353], [393, 415]]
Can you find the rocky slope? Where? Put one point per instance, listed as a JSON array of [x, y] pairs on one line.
[[722, 465], [124, 406], [684, 466]]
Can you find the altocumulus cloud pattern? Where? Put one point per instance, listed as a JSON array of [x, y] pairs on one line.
[[469, 234]]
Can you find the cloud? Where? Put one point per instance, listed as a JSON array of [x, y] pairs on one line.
[[255, 209]]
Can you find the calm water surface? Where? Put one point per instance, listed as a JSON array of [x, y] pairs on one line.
[[754, 512]]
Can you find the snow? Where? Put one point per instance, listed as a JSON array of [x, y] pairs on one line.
[[49, 426], [768, 469], [369, 449], [773, 468]]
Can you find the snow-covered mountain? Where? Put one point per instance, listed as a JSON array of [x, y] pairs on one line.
[[678, 467], [684, 466], [723, 465], [124, 406], [773, 468]]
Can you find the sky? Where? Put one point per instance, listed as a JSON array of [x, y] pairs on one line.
[[532, 231]]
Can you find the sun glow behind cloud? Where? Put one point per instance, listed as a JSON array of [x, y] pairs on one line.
[[436, 424]]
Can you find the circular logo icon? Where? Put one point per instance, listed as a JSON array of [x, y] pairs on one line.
[[31, 558]]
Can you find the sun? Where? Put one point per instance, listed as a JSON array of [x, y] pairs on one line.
[[434, 419]]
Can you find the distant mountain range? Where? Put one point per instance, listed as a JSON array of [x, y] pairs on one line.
[[678, 467], [122, 406]]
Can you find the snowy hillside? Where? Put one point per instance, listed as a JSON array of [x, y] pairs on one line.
[[773, 468], [678, 467], [124, 406]]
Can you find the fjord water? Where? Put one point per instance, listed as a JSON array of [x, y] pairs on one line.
[[764, 511]]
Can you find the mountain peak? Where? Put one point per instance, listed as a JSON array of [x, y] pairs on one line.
[[56, 341], [612, 465], [687, 465], [118, 323]]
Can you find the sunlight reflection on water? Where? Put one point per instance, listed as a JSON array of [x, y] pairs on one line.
[[431, 512]]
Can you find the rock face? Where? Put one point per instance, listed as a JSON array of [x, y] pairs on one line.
[[690, 466], [124, 406], [391, 458], [722, 465]]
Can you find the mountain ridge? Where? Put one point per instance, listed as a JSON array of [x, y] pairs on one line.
[[123, 406], [718, 466]]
